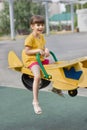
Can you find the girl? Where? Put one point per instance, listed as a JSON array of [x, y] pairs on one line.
[[35, 43]]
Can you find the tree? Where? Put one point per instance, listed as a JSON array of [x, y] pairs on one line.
[[23, 10], [4, 20], [85, 5], [22, 14]]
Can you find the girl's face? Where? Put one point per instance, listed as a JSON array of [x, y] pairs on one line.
[[38, 28]]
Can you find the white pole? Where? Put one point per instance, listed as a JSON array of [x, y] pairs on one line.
[[11, 11], [47, 18], [72, 17]]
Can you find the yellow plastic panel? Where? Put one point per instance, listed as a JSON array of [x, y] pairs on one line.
[[14, 61]]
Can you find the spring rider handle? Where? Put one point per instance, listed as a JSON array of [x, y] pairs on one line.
[[46, 75]]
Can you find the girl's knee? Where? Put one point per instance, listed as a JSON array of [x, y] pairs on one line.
[[37, 77]]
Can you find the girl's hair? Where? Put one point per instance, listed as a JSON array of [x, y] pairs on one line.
[[37, 19]]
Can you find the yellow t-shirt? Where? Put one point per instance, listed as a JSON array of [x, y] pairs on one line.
[[34, 43]]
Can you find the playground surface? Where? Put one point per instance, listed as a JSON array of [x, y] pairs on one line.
[[59, 113]]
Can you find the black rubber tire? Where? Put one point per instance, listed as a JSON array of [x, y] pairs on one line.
[[73, 93], [28, 82]]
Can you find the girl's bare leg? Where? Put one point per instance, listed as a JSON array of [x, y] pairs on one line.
[[36, 71]]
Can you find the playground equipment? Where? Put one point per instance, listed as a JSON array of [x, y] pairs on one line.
[[64, 75]]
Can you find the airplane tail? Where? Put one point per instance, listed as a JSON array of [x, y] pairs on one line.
[[13, 61]]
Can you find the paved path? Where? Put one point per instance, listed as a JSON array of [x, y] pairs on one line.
[[65, 46]]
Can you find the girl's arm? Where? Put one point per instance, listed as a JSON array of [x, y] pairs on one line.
[[30, 51]]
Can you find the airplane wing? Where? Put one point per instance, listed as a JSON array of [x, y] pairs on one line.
[[68, 75]]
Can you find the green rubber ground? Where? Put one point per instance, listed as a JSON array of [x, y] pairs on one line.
[[59, 113]]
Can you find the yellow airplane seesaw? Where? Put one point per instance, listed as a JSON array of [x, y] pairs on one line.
[[64, 75]]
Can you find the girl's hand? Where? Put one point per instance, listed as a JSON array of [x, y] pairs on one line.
[[47, 53], [41, 52]]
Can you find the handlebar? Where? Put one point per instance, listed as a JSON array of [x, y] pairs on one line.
[[46, 75]]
